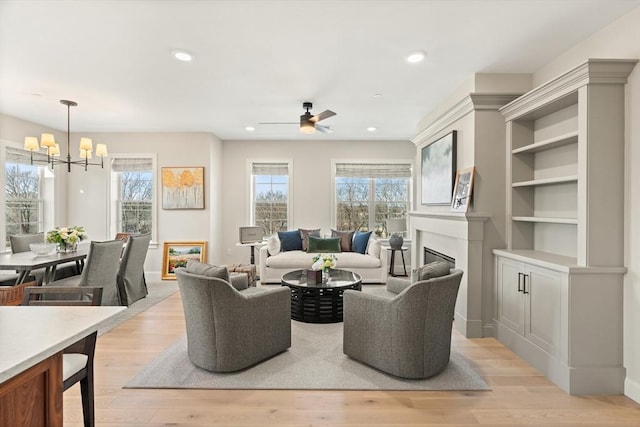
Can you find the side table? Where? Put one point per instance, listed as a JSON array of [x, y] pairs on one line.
[[252, 246], [392, 261]]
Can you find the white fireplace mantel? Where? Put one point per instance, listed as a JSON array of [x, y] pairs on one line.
[[459, 235]]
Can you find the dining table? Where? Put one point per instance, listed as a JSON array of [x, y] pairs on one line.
[[25, 262]]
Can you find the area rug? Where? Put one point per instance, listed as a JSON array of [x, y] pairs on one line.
[[314, 361], [158, 290]]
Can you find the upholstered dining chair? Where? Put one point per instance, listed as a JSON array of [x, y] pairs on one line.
[[228, 329], [131, 282], [100, 270], [77, 359], [405, 329]]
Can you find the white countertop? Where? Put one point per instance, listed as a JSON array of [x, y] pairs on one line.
[[29, 335]]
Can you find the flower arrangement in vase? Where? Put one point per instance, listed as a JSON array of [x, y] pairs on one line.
[[66, 238], [324, 262]]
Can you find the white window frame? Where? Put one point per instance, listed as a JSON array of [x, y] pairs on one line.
[[112, 215], [46, 189], [251, 189], [334, 198]]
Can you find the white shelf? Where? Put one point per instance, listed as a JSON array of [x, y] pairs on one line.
[[549, 220], [547, 144], [546, 181]]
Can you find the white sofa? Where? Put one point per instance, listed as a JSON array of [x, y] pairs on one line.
[[372, 266]]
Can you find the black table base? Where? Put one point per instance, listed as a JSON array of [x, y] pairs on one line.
[[318, 305]]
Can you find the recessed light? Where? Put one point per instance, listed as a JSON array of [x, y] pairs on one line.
[[372, 129], [249, 128], [415, 57], [377, 95], [183, 55]]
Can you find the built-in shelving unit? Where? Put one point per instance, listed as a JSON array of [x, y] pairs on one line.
[[559, 282]]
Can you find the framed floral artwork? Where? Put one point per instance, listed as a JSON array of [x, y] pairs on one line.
[[183, 187], [176, 254], [462, 190]]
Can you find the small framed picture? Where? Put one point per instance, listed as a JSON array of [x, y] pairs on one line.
[[462, 190], [176, 254]]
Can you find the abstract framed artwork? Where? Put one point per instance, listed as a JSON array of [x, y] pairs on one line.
[[438, 170], [463, 189], [176, 254], [183, 187]]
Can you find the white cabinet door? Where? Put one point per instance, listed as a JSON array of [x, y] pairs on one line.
[[510, 301], [542, 291]]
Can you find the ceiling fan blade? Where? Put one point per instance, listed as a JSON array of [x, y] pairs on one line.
[[324, 115], [323, 129]]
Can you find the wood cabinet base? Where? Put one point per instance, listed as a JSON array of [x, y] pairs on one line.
[[33, 397]]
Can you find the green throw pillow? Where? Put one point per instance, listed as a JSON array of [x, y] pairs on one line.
[[317, 244]]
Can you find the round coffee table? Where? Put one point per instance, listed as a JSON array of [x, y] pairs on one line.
[[322, 302]]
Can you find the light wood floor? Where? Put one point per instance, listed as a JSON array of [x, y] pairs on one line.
[[519, 395]]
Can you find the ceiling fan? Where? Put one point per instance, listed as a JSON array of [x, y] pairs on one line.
[[308, 122]]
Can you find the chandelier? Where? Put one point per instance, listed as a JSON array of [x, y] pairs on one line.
[[47, 141]]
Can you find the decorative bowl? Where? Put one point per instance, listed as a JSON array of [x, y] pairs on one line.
[[41, 249]]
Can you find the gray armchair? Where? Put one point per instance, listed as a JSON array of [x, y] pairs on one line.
[[405, 329], [227, 329]]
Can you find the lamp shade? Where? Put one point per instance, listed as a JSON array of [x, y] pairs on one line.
[[47, 140], [396, 225], [55, 150], [31, 143], [101, 150], [85, 154], [86, 144]]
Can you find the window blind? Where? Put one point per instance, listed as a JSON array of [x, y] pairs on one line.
[[373, 170], [131, 165], [15, 155], [269, 169]]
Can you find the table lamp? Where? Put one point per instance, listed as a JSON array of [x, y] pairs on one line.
[[394, 227]]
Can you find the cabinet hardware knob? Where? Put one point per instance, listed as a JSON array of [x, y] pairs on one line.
[[524, 283], [519, 281]]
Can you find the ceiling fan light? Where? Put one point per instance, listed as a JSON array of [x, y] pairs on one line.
[[307, 127]]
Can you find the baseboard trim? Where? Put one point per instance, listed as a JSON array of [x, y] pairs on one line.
[[468, 328], [632, 389]]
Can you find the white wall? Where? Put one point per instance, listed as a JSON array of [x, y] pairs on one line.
[[88, 204], [312, 204], [621, 39]]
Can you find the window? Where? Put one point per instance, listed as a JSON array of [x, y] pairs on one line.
[[270, 196], [367, 194], [24, 205], [132, 195]]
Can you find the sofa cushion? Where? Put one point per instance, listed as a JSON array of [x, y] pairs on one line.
[[346, 238], [299, 259], [304, 235], [360, 241], [202, 269], [430, 271], [290, 240], [374, 247], [273, 245], [316, 244]]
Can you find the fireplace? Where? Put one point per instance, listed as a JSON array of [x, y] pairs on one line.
[[430, 255]]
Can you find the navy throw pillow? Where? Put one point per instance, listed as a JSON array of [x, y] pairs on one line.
[[360, 240], [290, 240]]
